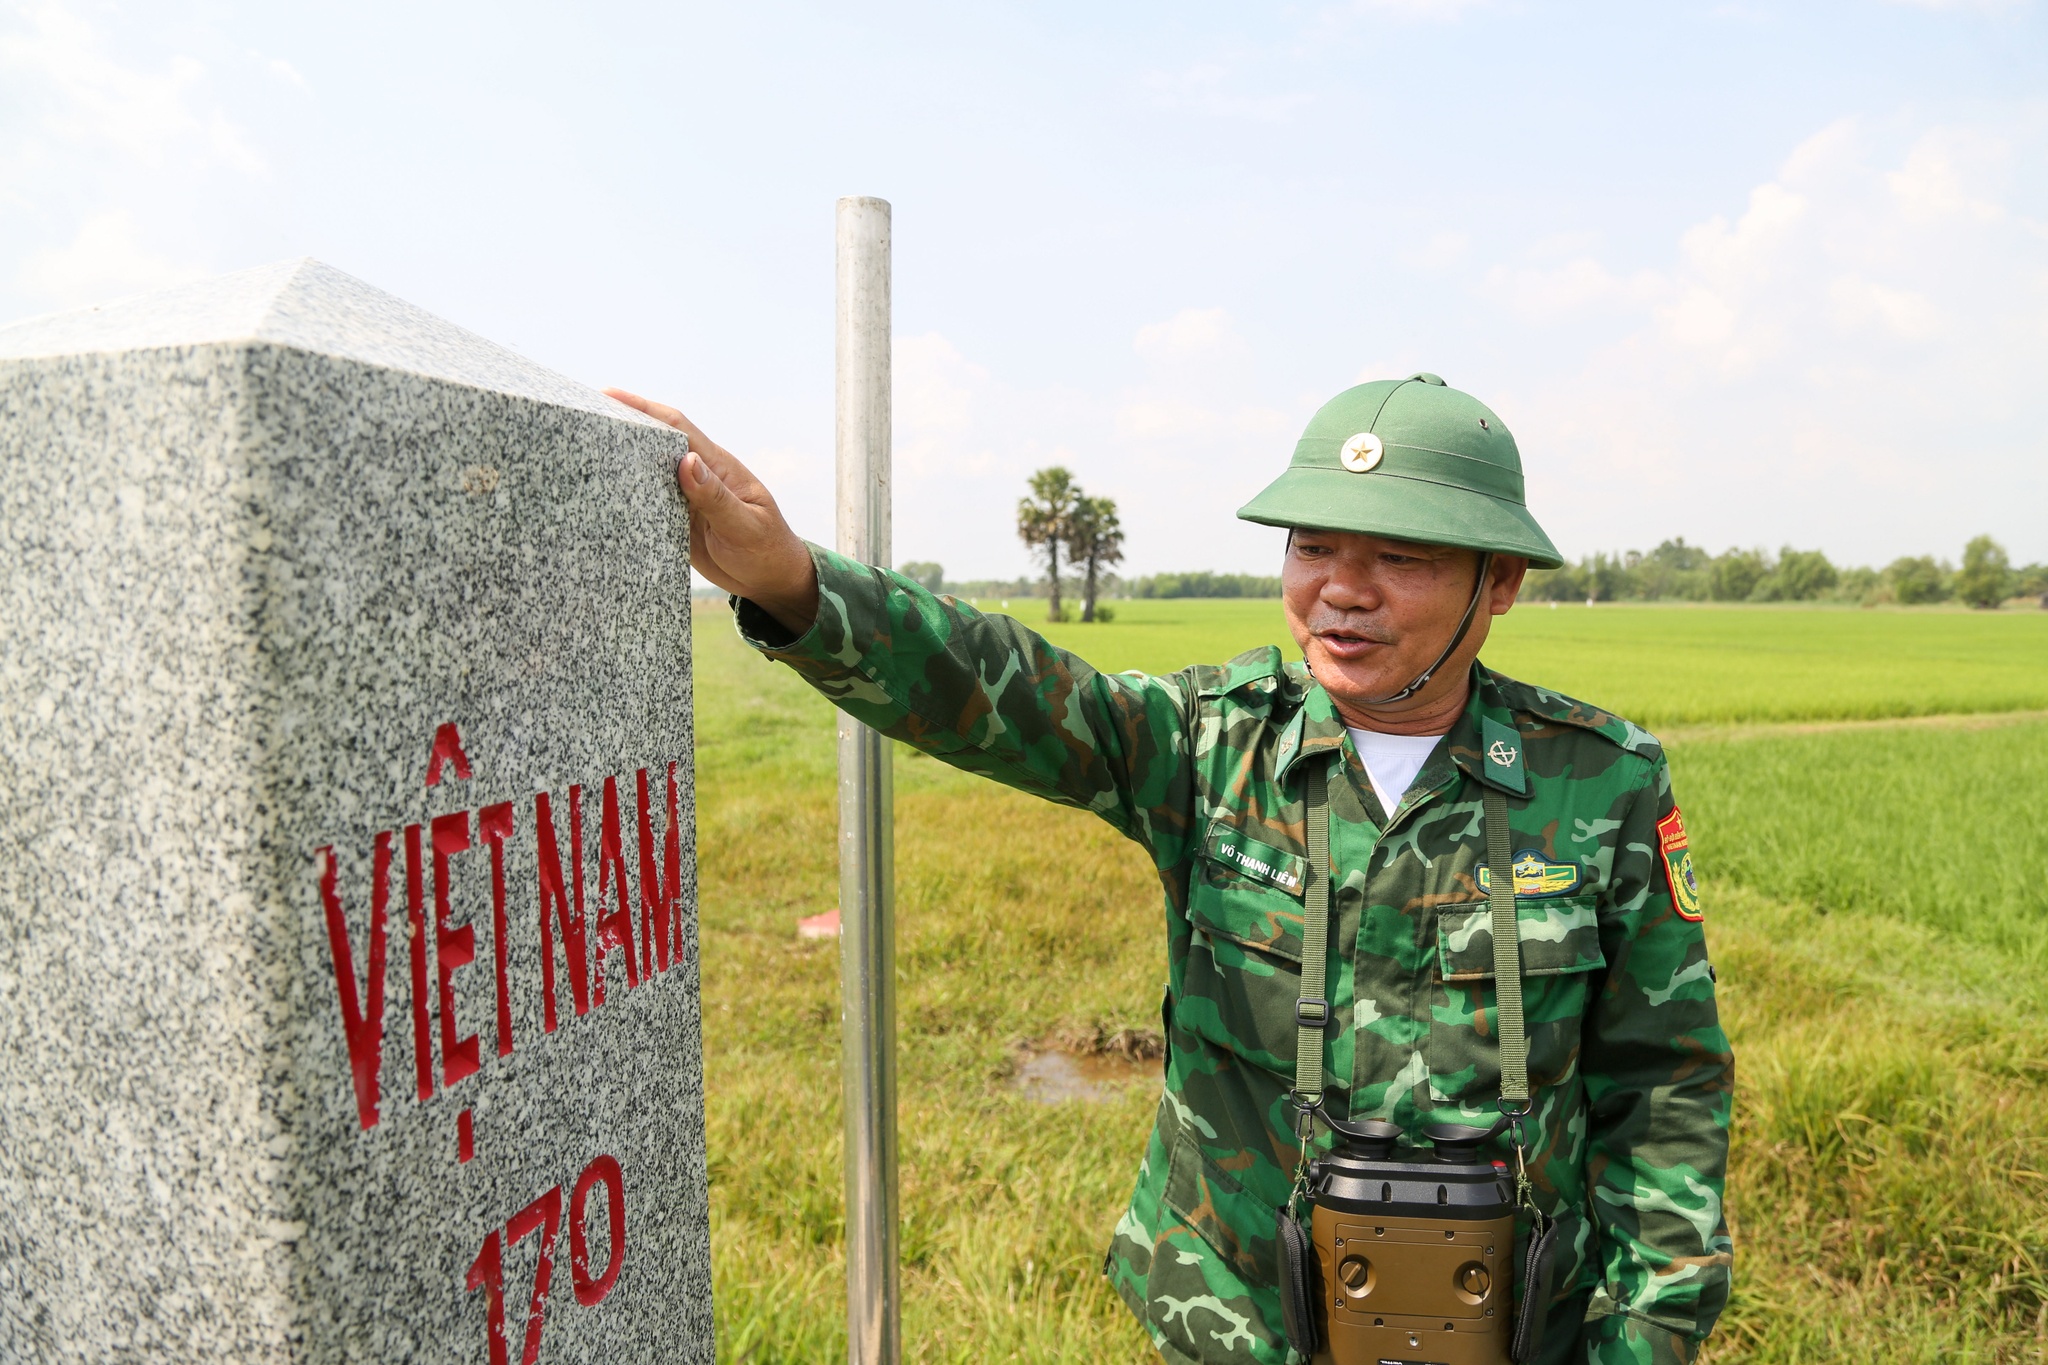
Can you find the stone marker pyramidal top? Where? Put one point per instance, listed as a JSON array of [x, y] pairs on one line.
[[306, 306], [348, 983]]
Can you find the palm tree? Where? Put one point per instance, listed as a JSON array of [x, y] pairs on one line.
[[1043, 521], [1095, 539]]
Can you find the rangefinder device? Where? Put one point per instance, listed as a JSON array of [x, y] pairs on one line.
[[1416, 1256]]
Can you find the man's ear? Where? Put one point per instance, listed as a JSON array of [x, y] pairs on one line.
[[1508, 573]]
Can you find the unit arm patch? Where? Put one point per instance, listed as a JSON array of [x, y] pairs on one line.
[[1685, 884]]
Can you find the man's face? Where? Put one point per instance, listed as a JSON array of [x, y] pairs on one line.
[[1370, 613]]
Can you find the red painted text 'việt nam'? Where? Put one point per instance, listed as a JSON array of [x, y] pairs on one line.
[[586, 941]]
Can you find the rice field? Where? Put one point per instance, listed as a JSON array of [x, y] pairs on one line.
[[1664, 665], [1874, 904]]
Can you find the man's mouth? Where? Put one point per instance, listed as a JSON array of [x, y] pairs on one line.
[[1344, 643]]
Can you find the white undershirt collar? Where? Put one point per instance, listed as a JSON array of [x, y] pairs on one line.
[[1392, 761]]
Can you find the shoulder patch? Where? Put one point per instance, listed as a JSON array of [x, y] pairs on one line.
[[1685, 884], [1559, 709], [1501, 747], [1252, 666]]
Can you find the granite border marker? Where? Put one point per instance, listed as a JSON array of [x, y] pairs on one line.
[[348, 988]]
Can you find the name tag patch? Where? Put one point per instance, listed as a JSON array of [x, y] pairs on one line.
[[1535, 876], [1261, 862]]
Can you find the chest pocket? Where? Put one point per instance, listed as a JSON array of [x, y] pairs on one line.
[[1244, 966], [1562, 963]]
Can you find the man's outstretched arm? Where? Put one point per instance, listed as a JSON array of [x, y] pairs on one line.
[[982, 693]]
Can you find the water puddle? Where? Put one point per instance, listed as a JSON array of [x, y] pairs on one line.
[[1094, 1071]]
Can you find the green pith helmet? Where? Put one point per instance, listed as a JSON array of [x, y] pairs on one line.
[[1410, 459]]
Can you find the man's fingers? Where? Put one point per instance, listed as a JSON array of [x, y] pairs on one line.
[[705, 491], [729, 470], [660, 412], [726, 466]]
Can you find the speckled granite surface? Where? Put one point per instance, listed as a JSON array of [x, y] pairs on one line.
[[261, 539]]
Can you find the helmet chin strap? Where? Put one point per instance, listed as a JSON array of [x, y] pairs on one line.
[[1464, 625]]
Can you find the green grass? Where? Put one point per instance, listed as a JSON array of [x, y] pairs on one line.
[[1006, 1204], [1874, 904], [1888, 1185], [1939, 827], [1665, 665]]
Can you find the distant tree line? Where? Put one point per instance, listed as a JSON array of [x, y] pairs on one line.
[[1059, 516], [1676, 571], [1204, 584], [1200, 583]]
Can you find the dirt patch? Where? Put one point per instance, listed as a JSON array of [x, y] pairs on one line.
[[1086, 1066], [1130, 1044]]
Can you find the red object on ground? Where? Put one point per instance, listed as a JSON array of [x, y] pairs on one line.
[[819, 926]]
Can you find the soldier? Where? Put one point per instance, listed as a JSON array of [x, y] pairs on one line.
[[1408, 533]]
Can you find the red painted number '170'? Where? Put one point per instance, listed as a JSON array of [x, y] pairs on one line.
[[544, 1217]]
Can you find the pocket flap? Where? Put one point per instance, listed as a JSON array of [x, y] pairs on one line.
[[1559, 936], [1241, 892]]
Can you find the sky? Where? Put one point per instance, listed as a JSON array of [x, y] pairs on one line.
[[1752, 274]]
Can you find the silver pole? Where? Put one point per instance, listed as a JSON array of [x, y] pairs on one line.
[[867, 875]]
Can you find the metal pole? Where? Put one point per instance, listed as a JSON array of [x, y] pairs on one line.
[[867, 876]]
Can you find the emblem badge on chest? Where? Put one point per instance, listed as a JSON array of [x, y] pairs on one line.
[[1536, 876]]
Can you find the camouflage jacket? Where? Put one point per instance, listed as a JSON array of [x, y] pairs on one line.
[[1630, 1071]]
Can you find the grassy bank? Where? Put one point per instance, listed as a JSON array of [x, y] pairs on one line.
[[1873, 908]]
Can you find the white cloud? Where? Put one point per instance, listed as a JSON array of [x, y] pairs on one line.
[[1937, 178], [107, 167], [1179, 446], [82, 100], [1540, 293], [934, 402], [1190, 334], [1902, 312], [282, 70], [1837, 364], [1189, 411], [1741, 255], [105, 260], [1699, 317]]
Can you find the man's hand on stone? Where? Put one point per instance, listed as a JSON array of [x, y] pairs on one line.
[[738, 538]]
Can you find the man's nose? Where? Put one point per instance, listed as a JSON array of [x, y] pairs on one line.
[[1351, 587]]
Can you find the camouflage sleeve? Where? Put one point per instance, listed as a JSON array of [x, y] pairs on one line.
[[1659, 1084], [987, 695]]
